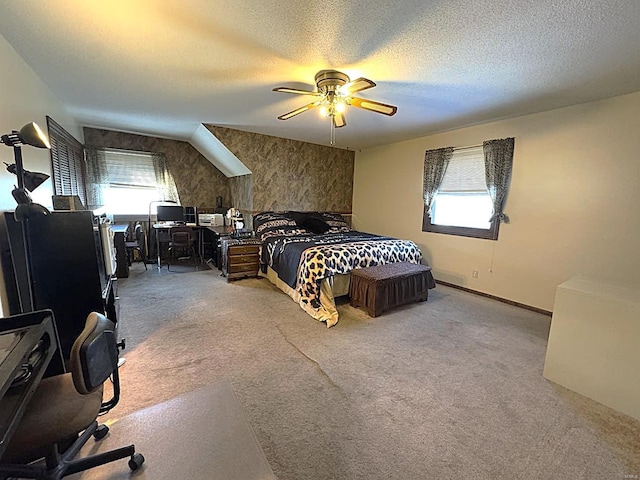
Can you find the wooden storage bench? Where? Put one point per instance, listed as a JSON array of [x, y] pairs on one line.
[[383, 287]]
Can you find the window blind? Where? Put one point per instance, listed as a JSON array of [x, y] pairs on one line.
[[67, 162], [465, 173], [126, 181], [124, 168]]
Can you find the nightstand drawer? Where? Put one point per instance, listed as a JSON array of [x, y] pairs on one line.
[[243, 249], [238, 259], [244, 267]]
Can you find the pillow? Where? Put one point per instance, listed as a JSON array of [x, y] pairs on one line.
[[336, 222], [298, 217], [268, 224], [263, 217], [314, 224], [311, 221]]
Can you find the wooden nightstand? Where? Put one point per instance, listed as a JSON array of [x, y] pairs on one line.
[[240, 257]]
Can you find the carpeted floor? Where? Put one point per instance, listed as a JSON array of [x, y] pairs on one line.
[[447, 389]]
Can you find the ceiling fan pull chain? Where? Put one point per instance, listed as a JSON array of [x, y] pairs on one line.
[[333, 132]]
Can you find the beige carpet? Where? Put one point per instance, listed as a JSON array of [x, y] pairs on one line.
[[450, 388], [203, 434]]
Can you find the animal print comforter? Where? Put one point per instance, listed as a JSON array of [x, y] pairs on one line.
[[303, 262]]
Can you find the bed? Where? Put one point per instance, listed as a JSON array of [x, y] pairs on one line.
[[308, 255]]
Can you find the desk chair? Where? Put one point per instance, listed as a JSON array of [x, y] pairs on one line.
[[136, 245], [65, 405], [182, 239]]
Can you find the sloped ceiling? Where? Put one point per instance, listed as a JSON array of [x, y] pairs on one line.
[[163, 68]]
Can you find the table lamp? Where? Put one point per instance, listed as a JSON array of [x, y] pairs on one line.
[[32, 135]]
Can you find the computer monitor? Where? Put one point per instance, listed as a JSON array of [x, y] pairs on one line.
[[170, 213]]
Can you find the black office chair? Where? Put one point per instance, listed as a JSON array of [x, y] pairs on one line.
[[65, 405], [136, 245], [182, 240]]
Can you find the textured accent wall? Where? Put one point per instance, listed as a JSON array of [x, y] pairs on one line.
[[292, 175], [197, 180], [287, 174], [241, 188]]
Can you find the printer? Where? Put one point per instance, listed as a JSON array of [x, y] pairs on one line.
[[211, 219]]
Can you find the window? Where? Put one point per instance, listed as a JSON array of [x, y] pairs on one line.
[[67, 162], [127, 182], [462, 205]]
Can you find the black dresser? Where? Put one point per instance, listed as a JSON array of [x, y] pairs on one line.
[[65, 271]]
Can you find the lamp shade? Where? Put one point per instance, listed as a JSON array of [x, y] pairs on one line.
[[32, 180], [31, 134]]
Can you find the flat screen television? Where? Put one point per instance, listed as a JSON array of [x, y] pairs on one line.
[[170, 213]]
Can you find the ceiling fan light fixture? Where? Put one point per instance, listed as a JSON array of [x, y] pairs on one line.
[[330, 79], [334, 92]]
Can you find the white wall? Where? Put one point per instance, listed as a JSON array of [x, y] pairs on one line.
[[25, 98], [574, 202]]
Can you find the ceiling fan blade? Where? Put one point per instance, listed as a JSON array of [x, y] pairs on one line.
[[338, 120], [356, 85], [373, 106], [298, 111], [294, 90]]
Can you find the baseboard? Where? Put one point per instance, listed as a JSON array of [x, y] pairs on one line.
[[493, 297]]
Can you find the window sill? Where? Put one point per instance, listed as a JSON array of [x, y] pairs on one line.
[[491, 234]]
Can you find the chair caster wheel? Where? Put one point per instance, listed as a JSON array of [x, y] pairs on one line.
[[100, 432], [136, 461]]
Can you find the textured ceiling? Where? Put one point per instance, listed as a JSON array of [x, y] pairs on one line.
[[163, 67]]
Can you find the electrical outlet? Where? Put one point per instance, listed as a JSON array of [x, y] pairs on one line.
[[475, 273]]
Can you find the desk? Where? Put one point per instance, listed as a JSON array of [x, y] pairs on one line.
[[20, 336], [163, 235], [218, 233]]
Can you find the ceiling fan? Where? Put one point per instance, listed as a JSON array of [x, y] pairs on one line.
[[334, 93]]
